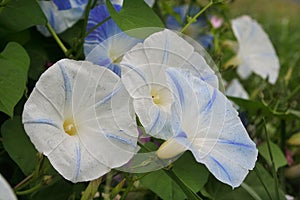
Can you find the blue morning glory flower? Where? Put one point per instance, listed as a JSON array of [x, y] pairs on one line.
[[196, 30], [61, 14], [106, 45]]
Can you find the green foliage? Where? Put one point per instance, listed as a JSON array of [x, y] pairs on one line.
[[14, 64], [18, 15], [135, 14], [193, 175], [26, 53], [18, 145], [278, 156]]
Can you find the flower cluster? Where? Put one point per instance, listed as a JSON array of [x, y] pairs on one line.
[[81, 114]]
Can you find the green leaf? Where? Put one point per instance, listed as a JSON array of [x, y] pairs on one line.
[[134, 14], [167, 189], [191, 173], [278, 157], [14, 64], [18, 145], [19, 15]]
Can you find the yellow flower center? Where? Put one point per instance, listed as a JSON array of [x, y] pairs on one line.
[[156, 97], [69, 127], [114, 57]]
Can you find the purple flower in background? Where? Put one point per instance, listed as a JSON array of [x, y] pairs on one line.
[[196, 30]]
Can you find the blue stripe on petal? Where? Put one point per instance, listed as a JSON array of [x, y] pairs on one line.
[[166, 53], [120, 139], [212, 100], [235, 143], [178, 87], [63, 4], [220, 166], [67, 84], [115, 68], [156, 121], [108, 97], [181, 134], [42, 121], [136, 70], [78, 161]]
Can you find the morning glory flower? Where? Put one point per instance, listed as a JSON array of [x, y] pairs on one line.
[[143, 76], [196, 30], [150, 3], [205, 122], [235, 89], [61, 14], [79, 115], [255, 52], [107, 43], [5, 190]]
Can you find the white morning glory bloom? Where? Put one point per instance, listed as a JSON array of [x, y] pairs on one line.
[[235, 89], [255, 52], [107, 43], [6, 192], [79, 115], [143, 76], [150, 3], [205, 122], [61, 14]]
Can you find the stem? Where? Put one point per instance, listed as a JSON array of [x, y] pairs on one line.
[[91, 189], [31, 190], [96, 26], [24, 182], [251, 191], [293, 93], [86, 15], [272, 160], [196, 16], [107, 186], [58, 41], [129, 186]]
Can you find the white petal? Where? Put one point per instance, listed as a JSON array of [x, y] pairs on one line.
[[5, 190], [102, 112], [219, 140], [255, 50], [235, 89]]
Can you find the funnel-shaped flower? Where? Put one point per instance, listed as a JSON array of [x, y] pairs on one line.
[[107, 43], [205, 122], [61, 14], [256, 52], [235, 89], [5, 190], [79, 116], [143, 74]]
